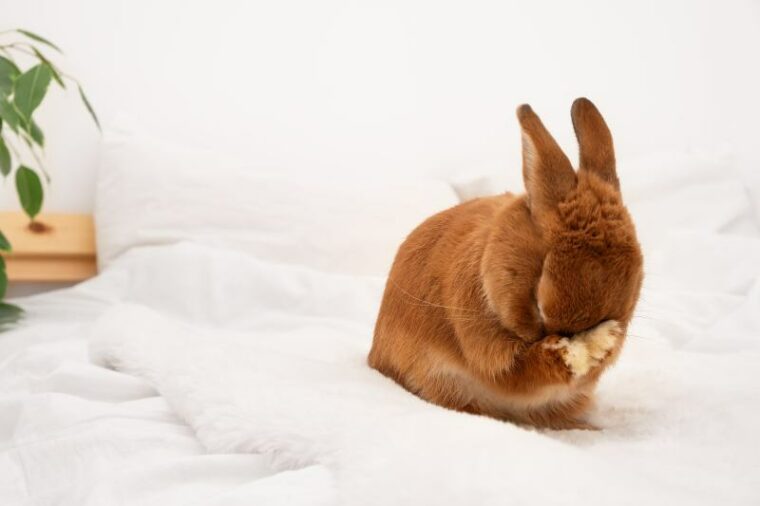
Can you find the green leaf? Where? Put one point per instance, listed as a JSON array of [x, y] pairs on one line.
[[5, 245], [29, 189], [89, 106], [36, 134], [38, 38], [53, 70], [30, 89], [8, 73], [9, 314], [8, 114], [5, 159], [30, 128], [3, 282]]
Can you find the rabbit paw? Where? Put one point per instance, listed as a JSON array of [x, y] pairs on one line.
[[587, 349]]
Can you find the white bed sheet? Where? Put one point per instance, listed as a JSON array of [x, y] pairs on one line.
[[72, 432], [272, 360]]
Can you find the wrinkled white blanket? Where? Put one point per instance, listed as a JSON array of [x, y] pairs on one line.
[[267, 358], [288, 378]]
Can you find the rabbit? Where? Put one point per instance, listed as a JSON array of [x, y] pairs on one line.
[[512, 306]]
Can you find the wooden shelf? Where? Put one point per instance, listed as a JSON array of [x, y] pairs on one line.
[[63, 252]]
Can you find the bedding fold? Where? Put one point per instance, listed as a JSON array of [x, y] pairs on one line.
[[302, 394]]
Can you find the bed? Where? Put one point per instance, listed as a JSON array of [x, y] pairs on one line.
[[218, 358]]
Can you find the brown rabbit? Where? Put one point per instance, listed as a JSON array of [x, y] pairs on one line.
[[512, 306]]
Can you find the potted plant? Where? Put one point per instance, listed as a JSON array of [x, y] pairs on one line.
[[22, 141]]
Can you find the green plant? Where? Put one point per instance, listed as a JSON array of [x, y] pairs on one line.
[[22, 141]]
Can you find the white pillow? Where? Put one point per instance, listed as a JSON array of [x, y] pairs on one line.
[[152, 193]]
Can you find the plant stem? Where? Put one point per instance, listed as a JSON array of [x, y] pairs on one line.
[[17, 46], [38, 55], [30, 146], [12, 146]]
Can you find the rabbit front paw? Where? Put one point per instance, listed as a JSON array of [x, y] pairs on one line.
[[587, 349]]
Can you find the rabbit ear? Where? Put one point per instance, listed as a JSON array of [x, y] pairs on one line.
[[547, 172], [597, 154]]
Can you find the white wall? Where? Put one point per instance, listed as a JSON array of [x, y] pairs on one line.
[[403, 86]]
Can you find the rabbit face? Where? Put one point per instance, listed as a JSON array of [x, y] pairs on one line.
[[592, 269]]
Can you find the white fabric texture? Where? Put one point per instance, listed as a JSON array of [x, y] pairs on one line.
[[73, 433], [151, 192], [292, 382], [266, 364]]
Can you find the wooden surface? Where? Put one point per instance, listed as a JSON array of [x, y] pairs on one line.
[[64, 251]]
